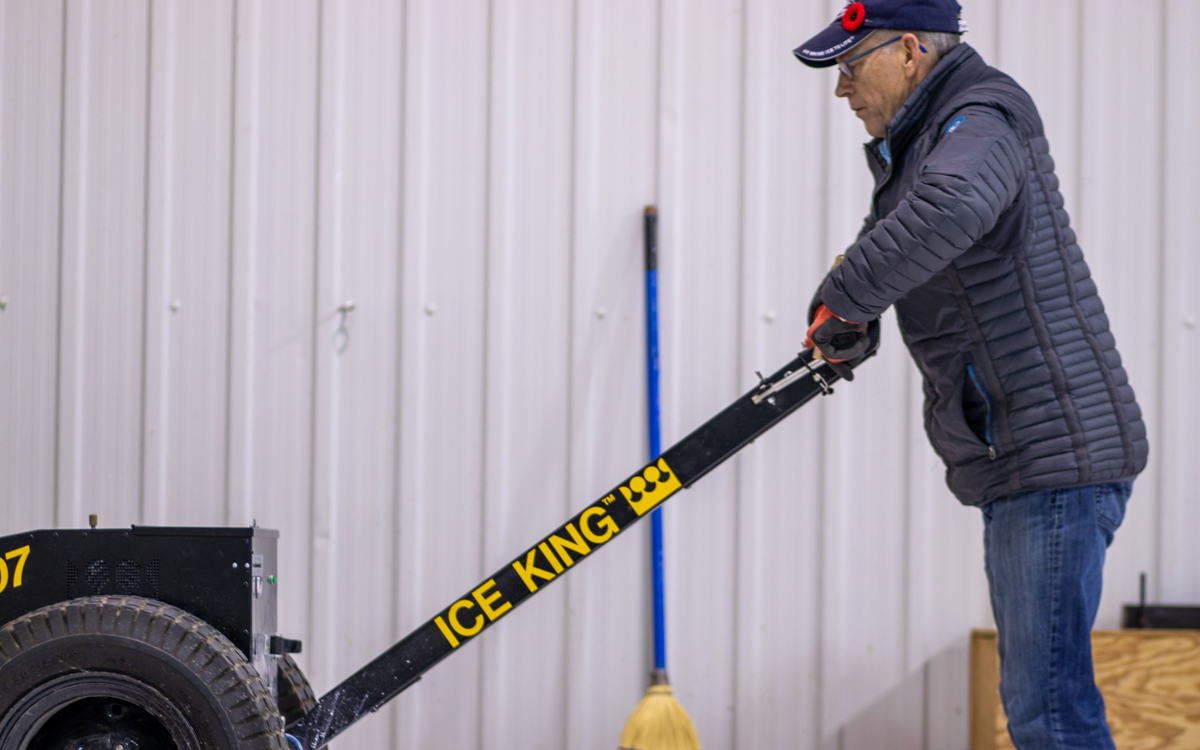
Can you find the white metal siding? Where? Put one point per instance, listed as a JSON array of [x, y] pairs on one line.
[[193, 193]]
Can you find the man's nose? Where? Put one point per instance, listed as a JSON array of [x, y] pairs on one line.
[[843, 86]]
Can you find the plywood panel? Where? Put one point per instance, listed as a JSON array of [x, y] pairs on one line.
[[1180, 404], [358, 239], [700, 170], [1120, 233], [187, 263], [1148, 679], [31, 42], [103, 256], [985, 690], [271, 307], [442, 314], [1149, 682], [526, 450], [778, 523], [609, 646]]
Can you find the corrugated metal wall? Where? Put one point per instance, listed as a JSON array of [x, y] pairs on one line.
[[191, 194]]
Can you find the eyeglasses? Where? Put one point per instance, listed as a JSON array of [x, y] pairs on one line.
[[844, 65]]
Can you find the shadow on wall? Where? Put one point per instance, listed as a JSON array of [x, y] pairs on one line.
[[927, 710]]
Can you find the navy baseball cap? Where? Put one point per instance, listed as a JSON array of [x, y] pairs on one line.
[[859, 19]]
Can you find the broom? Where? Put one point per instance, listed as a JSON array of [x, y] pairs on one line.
[[658, 722]]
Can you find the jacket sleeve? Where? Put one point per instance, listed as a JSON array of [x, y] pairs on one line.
[[965, 183], [868, 222]]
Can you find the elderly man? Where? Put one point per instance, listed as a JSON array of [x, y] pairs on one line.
[[1026, 400]]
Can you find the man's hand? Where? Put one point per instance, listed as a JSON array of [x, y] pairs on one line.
[[837, 341]]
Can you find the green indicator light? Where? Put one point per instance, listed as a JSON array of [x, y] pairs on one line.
[[271, 579]]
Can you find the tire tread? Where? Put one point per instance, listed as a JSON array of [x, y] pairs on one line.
[[296, 697], [197, 646]]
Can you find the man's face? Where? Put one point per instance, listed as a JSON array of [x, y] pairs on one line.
[[883, 79]]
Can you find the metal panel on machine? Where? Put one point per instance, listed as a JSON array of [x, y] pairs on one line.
[[225, 576]]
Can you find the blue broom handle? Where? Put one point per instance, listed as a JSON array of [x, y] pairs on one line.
[[656, 528]]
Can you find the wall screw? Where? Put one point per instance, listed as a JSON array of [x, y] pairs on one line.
[[176, 304], [3, 301]]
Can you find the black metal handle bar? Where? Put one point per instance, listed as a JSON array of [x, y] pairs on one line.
[[680, 466]]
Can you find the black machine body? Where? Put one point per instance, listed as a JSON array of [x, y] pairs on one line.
[[224, 576]]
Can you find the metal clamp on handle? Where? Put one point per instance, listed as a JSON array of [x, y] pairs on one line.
[[768, 389]]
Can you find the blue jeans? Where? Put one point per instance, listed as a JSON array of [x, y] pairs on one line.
[[1044, 552]]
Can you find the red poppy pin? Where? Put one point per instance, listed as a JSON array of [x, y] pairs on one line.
[[854, 17]]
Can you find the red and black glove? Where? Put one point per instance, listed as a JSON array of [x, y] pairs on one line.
[[838, 341]]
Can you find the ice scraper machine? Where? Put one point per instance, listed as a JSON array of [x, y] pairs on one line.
[[147, 638]]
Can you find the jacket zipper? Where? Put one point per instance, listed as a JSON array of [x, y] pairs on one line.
[[987, 425], [883, 180]]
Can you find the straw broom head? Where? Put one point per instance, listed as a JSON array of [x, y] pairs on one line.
[[659, 723]]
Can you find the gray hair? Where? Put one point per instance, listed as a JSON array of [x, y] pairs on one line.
[[938, 43]]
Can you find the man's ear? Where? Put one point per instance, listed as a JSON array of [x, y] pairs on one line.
[[911, 46]]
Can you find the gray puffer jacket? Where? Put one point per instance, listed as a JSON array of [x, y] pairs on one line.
[[969, 240]]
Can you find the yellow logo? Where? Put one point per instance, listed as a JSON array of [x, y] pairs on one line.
[[21, 554], [656, 483]]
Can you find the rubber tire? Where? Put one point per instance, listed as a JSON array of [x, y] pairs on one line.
[[295, 695], [187, 660]]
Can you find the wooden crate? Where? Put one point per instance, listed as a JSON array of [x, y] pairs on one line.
[[1150, 680]]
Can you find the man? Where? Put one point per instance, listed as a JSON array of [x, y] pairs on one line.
[[1026, 401]]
